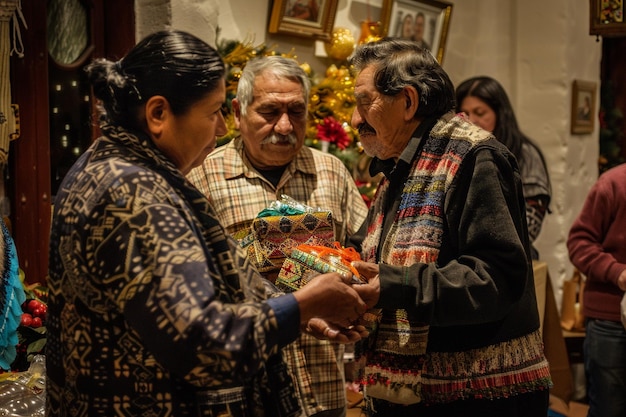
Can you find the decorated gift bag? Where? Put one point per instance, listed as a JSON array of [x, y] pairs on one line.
[[572, 317], [307, 261], [281, 227]]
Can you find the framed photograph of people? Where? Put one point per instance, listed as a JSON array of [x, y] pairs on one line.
[[583, 106], [304, 18], [425, 21]]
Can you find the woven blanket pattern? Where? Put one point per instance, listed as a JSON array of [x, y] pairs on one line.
[[276, 236]]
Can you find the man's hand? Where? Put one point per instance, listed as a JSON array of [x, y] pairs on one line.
[[367, 270], [621, 281], [370, 292]]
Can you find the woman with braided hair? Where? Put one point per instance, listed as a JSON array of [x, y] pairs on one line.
[[153, 309]]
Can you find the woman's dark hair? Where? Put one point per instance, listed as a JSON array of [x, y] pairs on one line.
[[172, 64], [401, 62], [492, 93]]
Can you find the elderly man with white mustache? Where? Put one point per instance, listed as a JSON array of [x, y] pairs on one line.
[[267, 160]]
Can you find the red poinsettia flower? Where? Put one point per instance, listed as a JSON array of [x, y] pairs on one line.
[[332, 131]]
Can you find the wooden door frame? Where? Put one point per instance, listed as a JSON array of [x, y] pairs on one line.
[[613, 69], [113, 33]]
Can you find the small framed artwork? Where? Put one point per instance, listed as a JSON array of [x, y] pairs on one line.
[[606, 18], [304, 18], [583, 106], [424, 21]]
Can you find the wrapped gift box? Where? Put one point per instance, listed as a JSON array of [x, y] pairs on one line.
[[273, 238], [307, 261]]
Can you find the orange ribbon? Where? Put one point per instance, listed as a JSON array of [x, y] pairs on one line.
[[346, 255]]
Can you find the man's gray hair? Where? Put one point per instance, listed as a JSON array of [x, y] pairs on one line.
[[280, 66]]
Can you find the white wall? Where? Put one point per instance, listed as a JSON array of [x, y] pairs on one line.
[[555, 48], [535, 48]]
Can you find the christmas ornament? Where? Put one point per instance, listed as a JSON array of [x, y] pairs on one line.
[[341, 44]]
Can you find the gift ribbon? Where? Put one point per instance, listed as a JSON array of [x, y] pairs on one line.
[[282, 211], [346, 255]]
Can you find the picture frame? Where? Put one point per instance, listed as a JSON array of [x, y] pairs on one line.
[[606, 18], [303, 18], [399, 17], [583, 106]]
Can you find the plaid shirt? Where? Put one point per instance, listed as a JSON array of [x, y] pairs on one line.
[[238, 193]]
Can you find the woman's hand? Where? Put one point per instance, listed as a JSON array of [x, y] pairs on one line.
[[330, 297], [327, 331]]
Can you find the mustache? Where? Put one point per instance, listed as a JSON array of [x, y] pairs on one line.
[[366, 128], [275, 138]]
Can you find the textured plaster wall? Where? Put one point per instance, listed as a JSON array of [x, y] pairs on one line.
[[554, 48], [200, 17], [535, 48]]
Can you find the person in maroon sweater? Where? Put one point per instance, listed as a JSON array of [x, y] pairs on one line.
[[597, 247]]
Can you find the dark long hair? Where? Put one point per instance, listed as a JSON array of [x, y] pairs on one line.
[[492, 93], [172, 64], [401, 62]]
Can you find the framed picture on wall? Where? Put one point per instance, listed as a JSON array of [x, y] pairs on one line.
[[583, 106], [606, 18], [425, 21], [304, 18]]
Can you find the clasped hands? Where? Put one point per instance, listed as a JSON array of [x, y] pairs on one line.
[[331, 305]]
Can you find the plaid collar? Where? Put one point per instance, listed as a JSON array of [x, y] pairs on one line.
[[239, 164]]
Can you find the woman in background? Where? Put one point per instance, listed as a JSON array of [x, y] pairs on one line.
[[487, 105], [406, 29]]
